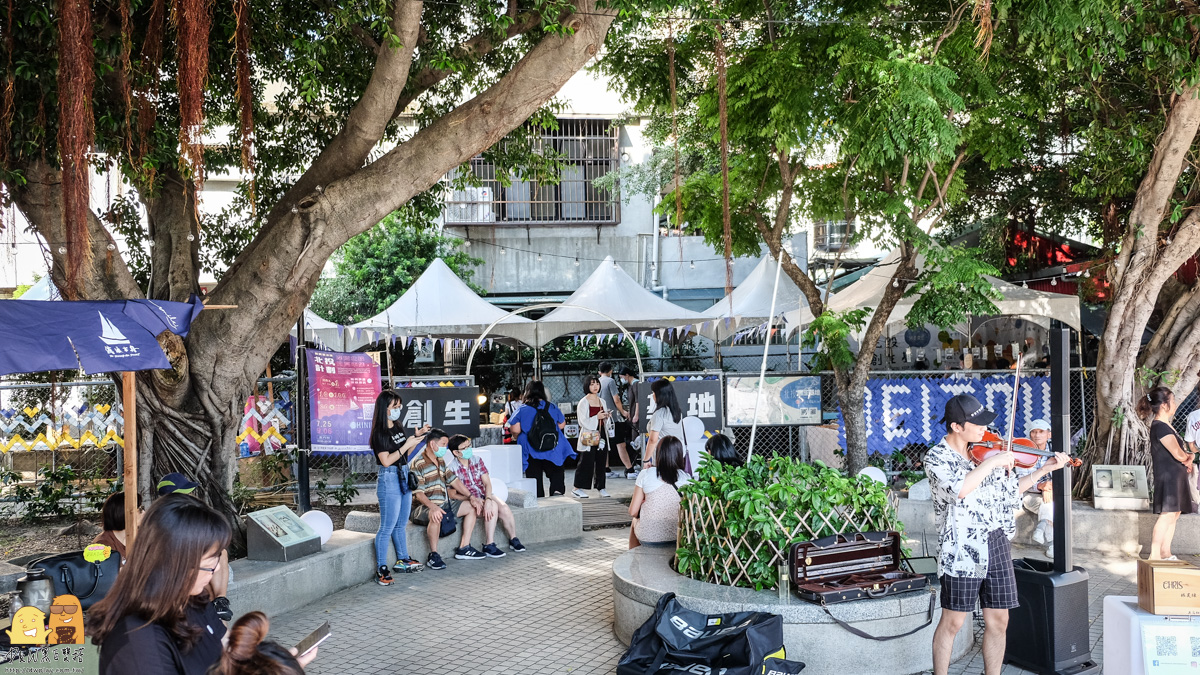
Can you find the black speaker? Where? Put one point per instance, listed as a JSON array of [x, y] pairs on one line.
[[1048, 633]]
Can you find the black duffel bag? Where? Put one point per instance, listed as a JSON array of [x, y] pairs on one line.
[[72, 575], [676, 638]]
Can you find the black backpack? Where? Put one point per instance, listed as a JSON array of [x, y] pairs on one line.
[[543, 433]]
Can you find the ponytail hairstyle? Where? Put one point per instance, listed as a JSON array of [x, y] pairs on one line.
[[247, 654], [1154, 401]]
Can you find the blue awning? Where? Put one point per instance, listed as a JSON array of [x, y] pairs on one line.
[[97, 336]]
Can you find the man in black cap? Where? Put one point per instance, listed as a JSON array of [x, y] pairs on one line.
[[974, 507]]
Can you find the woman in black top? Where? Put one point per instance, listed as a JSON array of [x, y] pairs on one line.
[[158, 619], [392, 448], [1172, 466]]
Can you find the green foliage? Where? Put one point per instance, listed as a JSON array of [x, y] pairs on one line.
[[953, 288], [1149, 378], [342, 494], [782, 487], [378, 266], [58, 491], [829, 333]]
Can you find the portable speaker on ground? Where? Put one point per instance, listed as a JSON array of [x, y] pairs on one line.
[[1048, 633]]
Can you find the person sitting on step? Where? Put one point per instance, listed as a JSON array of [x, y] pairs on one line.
[[473, 474], [435, 479]]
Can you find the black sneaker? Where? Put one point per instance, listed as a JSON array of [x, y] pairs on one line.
[[382, 576], [493, 551], [435, 562], [224, 612], [467, 553], [515, 544]]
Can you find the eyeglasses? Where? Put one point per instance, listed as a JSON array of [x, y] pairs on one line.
[[64, 609], [210, 570]]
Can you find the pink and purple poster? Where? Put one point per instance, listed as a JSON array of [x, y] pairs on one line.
[[342, 388]]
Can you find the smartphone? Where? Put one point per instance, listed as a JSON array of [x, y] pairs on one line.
[[314, 638]]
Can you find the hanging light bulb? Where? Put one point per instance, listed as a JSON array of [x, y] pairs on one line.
[[1024, 284], [467, 243], [692, 265], [62, 250], [111, 247], [503, 250], [1087, 274], [577, 261], [895, 283], [1054, 281], [539, 257], [616, 266]]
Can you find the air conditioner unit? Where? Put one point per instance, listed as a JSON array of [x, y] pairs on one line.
[[470, 205]]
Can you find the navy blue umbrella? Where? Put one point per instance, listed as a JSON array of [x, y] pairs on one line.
[[97, 336]]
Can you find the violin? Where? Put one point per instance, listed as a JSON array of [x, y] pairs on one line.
[[1024, 451]]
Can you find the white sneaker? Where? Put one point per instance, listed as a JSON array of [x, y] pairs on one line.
[[1039, 533], [579, 493], [1050, 551], [616, 474], [604, 493]]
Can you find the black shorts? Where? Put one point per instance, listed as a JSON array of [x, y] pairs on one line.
[[998, 590], [622, 432]]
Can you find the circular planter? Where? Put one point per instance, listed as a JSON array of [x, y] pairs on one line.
[[642, 575]]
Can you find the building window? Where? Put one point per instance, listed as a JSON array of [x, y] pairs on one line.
[[587, 149], [832, 235]]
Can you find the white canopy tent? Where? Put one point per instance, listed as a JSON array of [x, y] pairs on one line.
[[440, 305], [867, 292], [750, 303], [610, 292], [331, 335]]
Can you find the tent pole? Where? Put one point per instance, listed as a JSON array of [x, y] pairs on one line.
[[129, 401], [762, 372]]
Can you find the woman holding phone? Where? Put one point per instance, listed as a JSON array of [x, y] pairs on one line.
[[392, 449], [594, 440]]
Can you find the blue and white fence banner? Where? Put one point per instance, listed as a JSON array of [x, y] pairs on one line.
[[901, 411]]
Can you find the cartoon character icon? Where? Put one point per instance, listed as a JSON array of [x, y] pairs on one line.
[[66, 621], [97, 553], [28, 627]]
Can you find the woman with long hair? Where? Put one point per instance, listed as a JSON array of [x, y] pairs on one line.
[[593, 414], [1171, 463], [392, 449], [544, 447], [159, 618], [112, 520], [720, 448], [250, 653], [655, 503], [667, 419]]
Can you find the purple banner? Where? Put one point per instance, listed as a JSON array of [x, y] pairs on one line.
[[342, 388]]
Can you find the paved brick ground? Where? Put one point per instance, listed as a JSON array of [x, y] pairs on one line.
[[547, 611]]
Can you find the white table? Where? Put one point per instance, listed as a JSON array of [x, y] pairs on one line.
[[1123, 624]]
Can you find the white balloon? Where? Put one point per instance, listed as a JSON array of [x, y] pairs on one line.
[[499, 489], [874, 472], [320, 522]]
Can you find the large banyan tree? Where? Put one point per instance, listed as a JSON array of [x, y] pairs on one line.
[[332, 114]]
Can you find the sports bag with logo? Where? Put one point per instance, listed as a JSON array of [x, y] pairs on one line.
[[677, 639], [543, 433]]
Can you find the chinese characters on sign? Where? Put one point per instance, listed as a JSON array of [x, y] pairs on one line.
[[785, 400], [455, 410], [342, 391], [700, 397]]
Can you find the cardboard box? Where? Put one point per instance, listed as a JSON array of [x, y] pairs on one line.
[[1168, 587]]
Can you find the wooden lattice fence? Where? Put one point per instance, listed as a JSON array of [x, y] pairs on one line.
[[704, 525]]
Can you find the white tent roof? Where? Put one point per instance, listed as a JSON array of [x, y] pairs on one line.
[[750, 302], [44, 289], [613, 293], [440, 305], [331, 335], [1017, 300]]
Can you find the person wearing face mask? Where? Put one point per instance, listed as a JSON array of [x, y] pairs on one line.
[[474, 476], [392, 451], [435, 480]]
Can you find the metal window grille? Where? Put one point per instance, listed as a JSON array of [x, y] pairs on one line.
[[588, 149], [832, 235]]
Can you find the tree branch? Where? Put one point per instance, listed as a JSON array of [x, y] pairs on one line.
[[476, 47], [370, 116], [40, 200], [175, 259]]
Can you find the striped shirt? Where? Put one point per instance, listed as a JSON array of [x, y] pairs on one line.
[[432, 477]]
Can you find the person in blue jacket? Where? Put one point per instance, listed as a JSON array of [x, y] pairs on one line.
[[538, 462]]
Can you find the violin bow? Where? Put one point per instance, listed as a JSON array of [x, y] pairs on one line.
[[1012, 413]]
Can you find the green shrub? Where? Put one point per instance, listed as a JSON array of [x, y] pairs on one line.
[[737, 523]]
